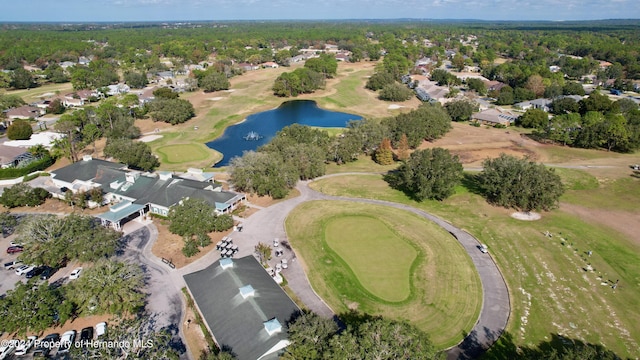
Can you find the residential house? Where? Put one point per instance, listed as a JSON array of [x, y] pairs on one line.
[[428, 90], [494, 116], [247, 67], [165, 75], [23, 112], [494, 85], [134, 193], [11, 156], [244, 308], [67, 64], [541, 104], [345, 57], [270, 65], [117, 89], [83, 60]]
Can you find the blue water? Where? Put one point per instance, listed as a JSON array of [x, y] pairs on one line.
[[266, 124]]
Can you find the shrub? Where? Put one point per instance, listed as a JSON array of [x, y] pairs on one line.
[[19, 130]]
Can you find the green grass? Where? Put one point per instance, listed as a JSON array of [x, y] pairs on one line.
[[550, 291], [362, 241], [618, 194], [363, 164], [182, 153], [346, 91], [337, 242], [36, 94]]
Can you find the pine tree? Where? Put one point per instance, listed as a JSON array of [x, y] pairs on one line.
[[403, 148], [384, 154]]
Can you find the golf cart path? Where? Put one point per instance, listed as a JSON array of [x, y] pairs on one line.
[[496, 307], [269, 223]]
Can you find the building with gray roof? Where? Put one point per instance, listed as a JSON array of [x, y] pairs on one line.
[[143, 192], [244, 308]]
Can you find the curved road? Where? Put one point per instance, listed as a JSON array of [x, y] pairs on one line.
[[268, 223]]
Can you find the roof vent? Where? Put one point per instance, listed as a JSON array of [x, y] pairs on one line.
[[226, 263], [272, 326], [247, 291]]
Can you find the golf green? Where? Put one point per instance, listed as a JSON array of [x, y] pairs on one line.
[[379, 258]]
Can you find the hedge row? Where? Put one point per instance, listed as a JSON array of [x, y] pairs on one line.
[[12, 173]]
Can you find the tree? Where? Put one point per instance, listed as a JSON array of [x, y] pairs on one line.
[[428, 122], [384, 154], [595, 102], [428, 174], [91, 133], [22, 79], [135, 154], [8, 223], [533, 118], [395, 92], [135, 79], [10, 101], [535, 85], [67, 126], [19, 130], [194, 217], [165, 93], [44, 303], [461, 110], [310, 337], [56, 107], [403, 148], [564, 105], [326, 64], [214, 81], [519, 183], [172, 111], [263, 174], [477, 85], [23, 195], [506, 96], [573, 88], [109, 287], [264, 252], [52, 240], [140, 332], [379, 80]]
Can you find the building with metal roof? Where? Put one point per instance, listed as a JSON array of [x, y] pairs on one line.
[[246, 311]]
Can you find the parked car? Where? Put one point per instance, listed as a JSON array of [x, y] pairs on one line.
[[11, 264], [24, 269], [285, 264], [14, 249], [47, 272], [66, 341], [86, 334], [75, 273], [101, 329], [484, 249], [6, 351], [35, 272], [46, 344], [13, 243], [24, 346]]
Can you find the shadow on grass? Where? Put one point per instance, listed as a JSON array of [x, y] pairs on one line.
[[472, 183], [558, 347]]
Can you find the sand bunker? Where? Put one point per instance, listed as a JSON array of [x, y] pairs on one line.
[[527, 216], [150, 138], [216, 98], [394, 106]]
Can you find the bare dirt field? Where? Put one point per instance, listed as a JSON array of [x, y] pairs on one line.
[[475, 144], [624, 222]]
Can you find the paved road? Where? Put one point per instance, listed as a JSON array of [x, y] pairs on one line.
[[268, 223]]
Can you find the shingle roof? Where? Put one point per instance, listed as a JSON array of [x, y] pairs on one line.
[[241, 323], [83, 170]]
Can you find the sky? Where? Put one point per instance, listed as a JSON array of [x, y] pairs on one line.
[[212, 10]]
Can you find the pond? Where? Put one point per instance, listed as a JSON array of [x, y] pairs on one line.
[[258, 129]]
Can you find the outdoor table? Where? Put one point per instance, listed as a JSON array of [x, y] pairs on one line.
[[218, 245], [224, 238], [229, 246], [234, 248]]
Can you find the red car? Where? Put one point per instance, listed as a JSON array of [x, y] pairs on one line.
[[14, 249]]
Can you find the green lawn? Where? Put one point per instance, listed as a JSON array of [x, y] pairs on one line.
[[551, 293], [356, 256], [37, 94], [347, 94], [182, 153], [362, 241]]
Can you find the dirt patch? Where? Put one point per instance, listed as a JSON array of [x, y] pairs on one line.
[[266, 201], [475, 144], [624, 222], [193, 335], [76, 324], [169, 246]]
